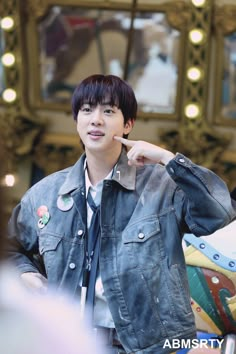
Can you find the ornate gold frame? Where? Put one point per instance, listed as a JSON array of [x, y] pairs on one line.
[[177, 13]]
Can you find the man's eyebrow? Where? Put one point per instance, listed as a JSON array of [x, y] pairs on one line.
[[108, 104]]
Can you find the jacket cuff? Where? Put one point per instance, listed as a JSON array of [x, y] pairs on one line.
[[177, 164]]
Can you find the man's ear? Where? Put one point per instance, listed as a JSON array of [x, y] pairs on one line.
[[128, 126]]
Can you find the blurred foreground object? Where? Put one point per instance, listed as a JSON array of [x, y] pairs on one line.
[[39, 324]]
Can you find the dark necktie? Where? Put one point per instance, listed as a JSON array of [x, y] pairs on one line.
[[93, 249]]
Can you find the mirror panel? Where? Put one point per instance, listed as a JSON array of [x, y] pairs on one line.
[[153, 69], [224, 108], [228, 88], [76, 42], [142, 44]]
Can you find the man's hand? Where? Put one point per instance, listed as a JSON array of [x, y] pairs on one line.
[[34, 281], [141, 152]]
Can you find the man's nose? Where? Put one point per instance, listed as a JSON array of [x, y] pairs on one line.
[[97, 117]]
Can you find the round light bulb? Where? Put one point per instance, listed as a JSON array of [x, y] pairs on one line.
[[9, 180], [9, 95], [196, 36], [8, 59], [199, 3], [192, 110], [7, 23], [194, 74]]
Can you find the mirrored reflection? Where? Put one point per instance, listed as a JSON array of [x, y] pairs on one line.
[[78, 42], [228, 90], [2, 72], [154, 76], [75, 43]]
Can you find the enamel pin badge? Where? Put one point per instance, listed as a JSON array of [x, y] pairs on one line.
[[65, 202], [44, 216]]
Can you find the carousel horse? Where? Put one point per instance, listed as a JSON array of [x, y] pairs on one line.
[[211, 267]]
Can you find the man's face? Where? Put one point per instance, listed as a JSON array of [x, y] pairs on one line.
[[98, 124]]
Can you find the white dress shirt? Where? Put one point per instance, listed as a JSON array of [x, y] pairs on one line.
[[102, 315]]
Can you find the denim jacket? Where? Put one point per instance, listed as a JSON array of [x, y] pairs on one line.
[[145, 212]]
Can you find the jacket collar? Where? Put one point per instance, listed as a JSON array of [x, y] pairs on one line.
[[124, 174], [75, 178]]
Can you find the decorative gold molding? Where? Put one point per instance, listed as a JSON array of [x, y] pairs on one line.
[[198, 140], [36, 8], [56, 151], [224, 19], [204, 146], [19, 132], [8, 7], [178, 14], [198, 55]]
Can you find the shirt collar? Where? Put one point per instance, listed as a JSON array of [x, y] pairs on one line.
[[122, 174], [88, 183]]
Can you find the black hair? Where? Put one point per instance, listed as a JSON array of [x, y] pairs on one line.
[[100, 89]]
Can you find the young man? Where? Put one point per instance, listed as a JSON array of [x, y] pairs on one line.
[[131, 271]]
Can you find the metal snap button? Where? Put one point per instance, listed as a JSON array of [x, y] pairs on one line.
[[72, 265], [80, 232], [141, 235]]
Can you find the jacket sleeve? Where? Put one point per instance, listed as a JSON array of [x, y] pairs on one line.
[[203, 197], [22, 245]]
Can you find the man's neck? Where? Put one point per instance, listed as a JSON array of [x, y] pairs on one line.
[[99, 166]]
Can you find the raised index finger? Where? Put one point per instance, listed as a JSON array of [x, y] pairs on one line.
[[124, 141]]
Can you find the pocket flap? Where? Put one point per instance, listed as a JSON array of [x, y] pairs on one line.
[[48, 242], [141, 231]]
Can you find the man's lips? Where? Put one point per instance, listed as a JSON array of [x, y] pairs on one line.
[[96, 133]]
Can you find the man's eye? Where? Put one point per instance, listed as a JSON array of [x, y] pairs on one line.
[[86, 109], [109, 111]]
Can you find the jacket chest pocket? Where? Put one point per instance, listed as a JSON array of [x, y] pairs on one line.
[[142, 243], [48, 242], [50, 248]]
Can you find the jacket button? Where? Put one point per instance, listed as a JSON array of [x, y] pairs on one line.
[[72, 265], [141, 235], [80, 232], [182, 160]]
